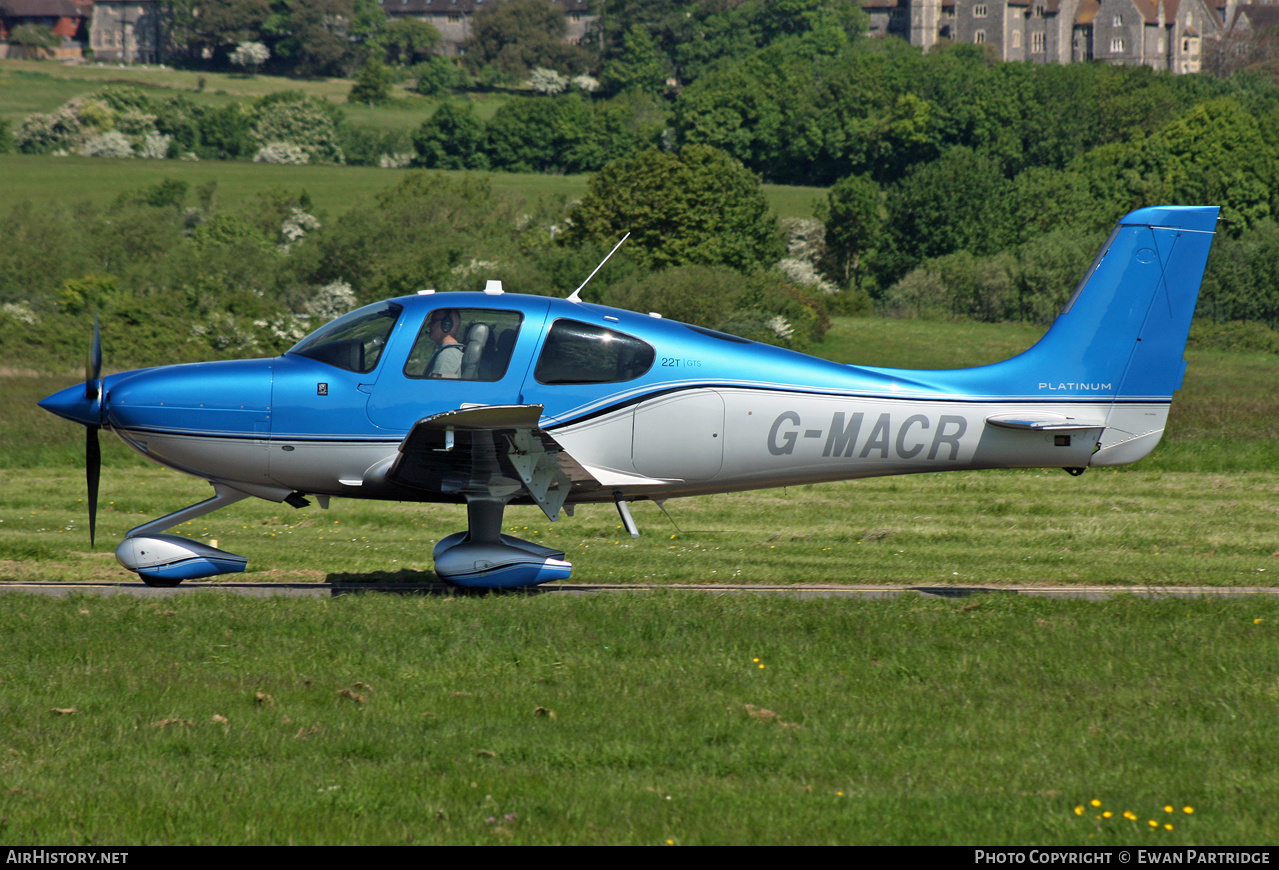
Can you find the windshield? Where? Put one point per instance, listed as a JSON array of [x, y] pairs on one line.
[[354, 341]]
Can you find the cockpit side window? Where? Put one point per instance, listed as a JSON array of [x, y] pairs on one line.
[[469, 344], [354, 341], [580, 353]]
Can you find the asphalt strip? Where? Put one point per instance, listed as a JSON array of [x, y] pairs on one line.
[[61, 589]]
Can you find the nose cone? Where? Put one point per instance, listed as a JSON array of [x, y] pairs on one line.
[[72, 405]]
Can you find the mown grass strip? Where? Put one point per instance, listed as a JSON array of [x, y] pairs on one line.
[[1113, 528], [637, 719]]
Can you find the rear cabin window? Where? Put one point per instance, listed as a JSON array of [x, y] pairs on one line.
[[484, 339], [354, 341], [580, 353]]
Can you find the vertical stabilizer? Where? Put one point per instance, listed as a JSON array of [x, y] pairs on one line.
[[1122, 334]]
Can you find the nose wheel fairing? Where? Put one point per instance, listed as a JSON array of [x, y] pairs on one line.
[[167, 560]]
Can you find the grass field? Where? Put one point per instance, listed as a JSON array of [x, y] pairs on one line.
[[27, 87], [333, 188], [660, 718]]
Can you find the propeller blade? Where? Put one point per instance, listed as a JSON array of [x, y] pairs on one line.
[[92, 449], [92, 471], [93, 365]]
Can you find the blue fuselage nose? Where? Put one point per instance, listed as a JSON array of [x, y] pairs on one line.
[[227, 399]]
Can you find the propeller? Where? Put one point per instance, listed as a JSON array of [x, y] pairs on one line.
[[92, 450]]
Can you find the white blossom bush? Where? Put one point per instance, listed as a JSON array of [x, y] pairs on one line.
[[295, 228], [283, 153], [588, 84], [19, 311], [471, 268], [805, 274], [155, 146], [109, 144], [548, 81], [224, 332], [331, 300], [250, 55], [133, 122], [282, 330], [781, 327], [398, 160], [805, 238], [59, 130]]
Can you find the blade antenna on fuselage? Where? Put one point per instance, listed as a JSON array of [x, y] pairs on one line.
[[574, 296]]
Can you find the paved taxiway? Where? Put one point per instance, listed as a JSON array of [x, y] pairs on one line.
[[327, 590]]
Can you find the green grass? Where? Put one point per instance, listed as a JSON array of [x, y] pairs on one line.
[[333, 188], [1114, 528], [647, 719]]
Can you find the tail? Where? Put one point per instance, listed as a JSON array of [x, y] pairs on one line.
[[1126, 324], [1119, 341]]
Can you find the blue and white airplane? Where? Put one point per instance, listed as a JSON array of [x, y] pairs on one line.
[[491, 399]]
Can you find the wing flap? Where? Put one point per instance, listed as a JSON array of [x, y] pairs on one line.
[[496, 451]]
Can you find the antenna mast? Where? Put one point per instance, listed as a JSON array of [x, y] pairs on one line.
[[574, 297]]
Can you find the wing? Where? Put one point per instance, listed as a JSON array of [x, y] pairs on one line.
[[497, 451]]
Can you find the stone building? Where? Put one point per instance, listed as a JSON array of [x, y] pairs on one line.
[[1162, 34], [453, 18], [127, 32]]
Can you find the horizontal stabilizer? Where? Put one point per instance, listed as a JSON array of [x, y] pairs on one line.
[[1043, 422]]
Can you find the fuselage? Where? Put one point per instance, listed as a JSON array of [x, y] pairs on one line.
[[647, 405]]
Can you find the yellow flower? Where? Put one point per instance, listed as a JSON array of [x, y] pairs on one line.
[[1095, 802], [1153, 823], [1168, 808], [1107, 814], [1168, 827], [1130, 815], [1079, 810], [1187, 810]]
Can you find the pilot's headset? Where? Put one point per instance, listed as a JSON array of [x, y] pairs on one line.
[[447, 322]]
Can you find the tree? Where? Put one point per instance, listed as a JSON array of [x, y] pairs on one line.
[[543, 134], [301, 121], [452, 138], [854, 217], [698, 206], [198, 27], [639, 67], [373, 83], [315, 37], [517, 35], [34, 39], [250, 55], [407, 41]]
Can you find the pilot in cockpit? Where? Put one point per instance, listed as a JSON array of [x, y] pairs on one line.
[[446, 362]]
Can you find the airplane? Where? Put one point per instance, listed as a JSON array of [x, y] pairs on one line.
[[491, 399]]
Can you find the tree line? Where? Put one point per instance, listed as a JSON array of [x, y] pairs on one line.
[[959, 186]]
